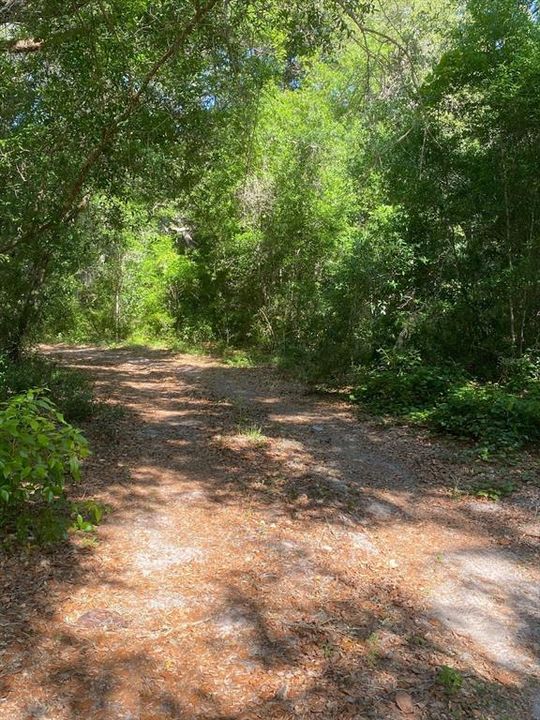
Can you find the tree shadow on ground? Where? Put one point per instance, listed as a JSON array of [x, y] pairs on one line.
[[294, 634]]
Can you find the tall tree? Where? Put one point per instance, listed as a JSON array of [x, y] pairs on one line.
[[91, 92]]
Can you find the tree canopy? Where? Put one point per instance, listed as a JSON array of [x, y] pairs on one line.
[[328, 181]]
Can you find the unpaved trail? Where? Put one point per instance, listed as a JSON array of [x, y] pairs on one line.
[[268, 555]]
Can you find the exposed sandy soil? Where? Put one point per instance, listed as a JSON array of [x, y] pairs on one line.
[[322, 568]]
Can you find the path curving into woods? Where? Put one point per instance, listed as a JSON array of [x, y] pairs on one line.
[[269, 556]]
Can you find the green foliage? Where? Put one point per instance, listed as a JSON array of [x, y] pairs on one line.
[[69, 390], [124, 113], [494, 415], [81, 524], [238, 358], [44, 524], [465, 177], [493, 491], [86, 515], [491, 414], [450, 678], [402, 385], [38, 451], [334, 193], [130, 283], [519, 373]]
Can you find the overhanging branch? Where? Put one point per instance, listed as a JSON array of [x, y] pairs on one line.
[[366, 30], [110, 132]]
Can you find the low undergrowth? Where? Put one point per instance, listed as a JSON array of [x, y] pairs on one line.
[[69, 390], [497, 416], [39, 452], [42, 523]]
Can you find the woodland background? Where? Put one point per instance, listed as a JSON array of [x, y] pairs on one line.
[[350, 189]]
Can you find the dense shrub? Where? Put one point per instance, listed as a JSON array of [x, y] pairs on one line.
[[503, 415], [521, 373], [491, 414], [39, 450], [68, 389], [401, 384]]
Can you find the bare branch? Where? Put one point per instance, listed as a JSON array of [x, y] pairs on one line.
[[21, 47], [365, 30]]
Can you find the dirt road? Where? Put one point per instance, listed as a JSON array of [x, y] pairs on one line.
[[268, 555]]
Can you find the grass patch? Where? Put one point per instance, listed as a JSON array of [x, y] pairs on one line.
[[253, 433], [450, 679]]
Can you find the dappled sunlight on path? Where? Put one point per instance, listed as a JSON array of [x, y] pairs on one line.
[[268, 556]]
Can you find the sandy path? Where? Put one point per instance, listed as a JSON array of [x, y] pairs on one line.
[[309, 570]]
